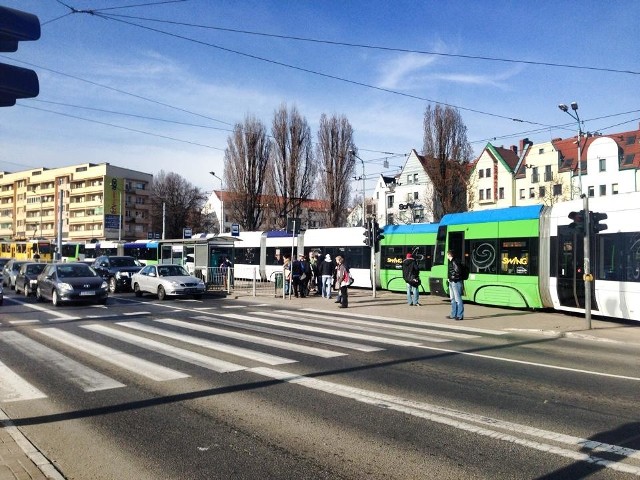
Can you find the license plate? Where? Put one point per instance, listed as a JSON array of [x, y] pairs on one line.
[[87, 293]]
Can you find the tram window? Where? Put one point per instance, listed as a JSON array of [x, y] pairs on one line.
[[391, 257], [483, 256], [633, 257], [441, 245], [516, 257], [248, 256], [610, 257]]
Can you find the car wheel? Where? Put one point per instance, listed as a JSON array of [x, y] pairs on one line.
[[26, 289], [113, 286], [136, 289], [39, 294], [161, 293], [55, 299]]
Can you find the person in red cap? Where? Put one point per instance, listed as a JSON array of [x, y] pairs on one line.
[[411, 275]]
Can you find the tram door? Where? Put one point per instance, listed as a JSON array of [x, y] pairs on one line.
[[570, 269]]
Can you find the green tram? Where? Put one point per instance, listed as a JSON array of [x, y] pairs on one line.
[[501, 248], [419, 239]]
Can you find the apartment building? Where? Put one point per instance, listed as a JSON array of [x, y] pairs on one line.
[[100, 201]]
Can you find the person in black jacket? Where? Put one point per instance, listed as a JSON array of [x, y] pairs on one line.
[[455, 287], [411, 275]]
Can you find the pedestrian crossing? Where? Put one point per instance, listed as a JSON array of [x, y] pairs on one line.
[[221, 341]]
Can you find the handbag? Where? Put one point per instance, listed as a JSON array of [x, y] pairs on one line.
[[303, 276], [414, 281], [351, 279]]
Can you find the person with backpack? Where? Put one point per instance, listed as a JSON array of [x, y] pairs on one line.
[[455, 275], [411, 275]]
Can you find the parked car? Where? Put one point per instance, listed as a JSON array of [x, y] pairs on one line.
[[1, 295], [71, 282], [117, 271], [166, 280], [27, 278], [10, 272]]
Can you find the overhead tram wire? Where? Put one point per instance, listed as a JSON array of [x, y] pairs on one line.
[[380, 47], [314, 72]]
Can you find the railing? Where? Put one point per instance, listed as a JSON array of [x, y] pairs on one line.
[[241, 281]]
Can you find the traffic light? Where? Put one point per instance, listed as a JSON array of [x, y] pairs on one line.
[[378, 234], [15, 82], [367, 234], [595, 219], [114, 184], [577, 224]]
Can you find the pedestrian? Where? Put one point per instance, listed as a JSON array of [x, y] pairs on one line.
[[305, 277], [296, 274], [411, 275], [316, 280], [225, 270], [286, 268], [342, 281], [327, 266], [455, 287]]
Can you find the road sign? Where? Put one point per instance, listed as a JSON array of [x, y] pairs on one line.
[[186, 233], [235, 230]]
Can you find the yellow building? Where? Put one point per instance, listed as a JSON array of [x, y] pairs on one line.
[[89, 198]]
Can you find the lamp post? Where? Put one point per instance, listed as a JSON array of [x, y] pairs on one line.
[[364, 197], [587, 277], [221, 204]]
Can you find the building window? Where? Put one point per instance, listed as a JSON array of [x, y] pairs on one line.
[[389, 218], [614, 189], [532, 193], [415, 195], [591, 191], [522, 193], [409, 179], [542, 191], [557, 190], [501, 193], [487, 173], [481, 173], [603, 190], [540, 151], [415, 178], [480, 194], [602, 164], [548, 175], [535, 178], [488, 193], [390, 201]]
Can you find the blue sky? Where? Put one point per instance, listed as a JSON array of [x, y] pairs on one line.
[[171, 102]]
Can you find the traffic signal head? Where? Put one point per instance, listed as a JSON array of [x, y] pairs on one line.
[[114, 184], [16, 82], [367, 234], [378, 234], [577, 224], [596, 218]]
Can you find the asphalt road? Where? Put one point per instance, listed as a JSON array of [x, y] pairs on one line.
[[232, 389]]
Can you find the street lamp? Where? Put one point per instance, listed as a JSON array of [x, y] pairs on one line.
[[576, 117], [221, 204], [353, 152], [587, 277]]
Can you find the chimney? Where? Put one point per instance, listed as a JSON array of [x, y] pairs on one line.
[[514, 149], [523, 143]]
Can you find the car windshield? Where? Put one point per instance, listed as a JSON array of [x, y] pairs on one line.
[[36, 268], [123, 262], [75, 271], [172, 271]]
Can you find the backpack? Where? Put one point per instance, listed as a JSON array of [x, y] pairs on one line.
[[464, 271]]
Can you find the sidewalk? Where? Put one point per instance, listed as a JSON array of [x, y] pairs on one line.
[[434, 309], [19, 459]]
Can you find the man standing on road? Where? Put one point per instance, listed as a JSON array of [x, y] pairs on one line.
[[411, 275], [455, 287]]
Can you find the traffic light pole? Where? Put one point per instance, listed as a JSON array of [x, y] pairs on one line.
[[588, 278]]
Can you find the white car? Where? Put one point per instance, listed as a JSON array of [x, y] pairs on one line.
[[166, 280]]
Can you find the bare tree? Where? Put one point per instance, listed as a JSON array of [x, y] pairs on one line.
[[335, 141], [245, 169], [293, 161], [447, 153], [551, 196], [182, 204]]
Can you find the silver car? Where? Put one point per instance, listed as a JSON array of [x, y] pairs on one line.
[[166, 280]]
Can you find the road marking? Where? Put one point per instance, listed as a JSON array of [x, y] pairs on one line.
[[309, 328], [113, 356], [211, 345], [384, 329], [195, 358], [416, 322], [14, 388], [462, 421], [58, 315], [22, 322], [87, 379], [318, 352], [284, 333]]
